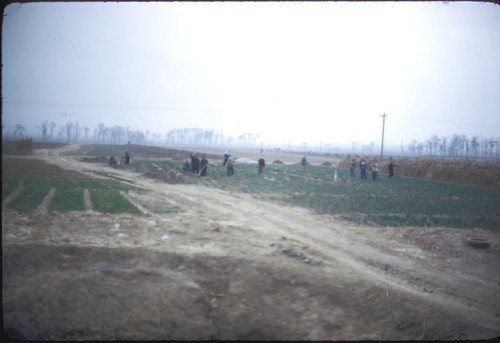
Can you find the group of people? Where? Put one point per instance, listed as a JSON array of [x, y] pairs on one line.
[[112, 160], [373, 167], [200, 167], [197, 166]]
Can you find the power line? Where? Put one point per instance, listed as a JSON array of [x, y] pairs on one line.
[[445, 121], [114, 106]]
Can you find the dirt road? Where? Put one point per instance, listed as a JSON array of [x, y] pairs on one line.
[[201, 263]]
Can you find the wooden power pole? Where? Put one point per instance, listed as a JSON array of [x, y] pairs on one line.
[[383, 128]]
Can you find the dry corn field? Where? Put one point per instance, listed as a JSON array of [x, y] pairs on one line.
[[462, 172]]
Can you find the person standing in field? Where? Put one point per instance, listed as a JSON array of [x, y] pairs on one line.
[[112, 160], [226, 157], [391, 168], [362, 169], [374, 170], [127, 157], [304, 163], [203, 166], [230, 166], [186, 167], [262, 164], [195, 163], [352, 168]]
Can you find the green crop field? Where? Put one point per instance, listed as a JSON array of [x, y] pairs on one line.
[[9, 184], [105, 195], [69, 195], [35, 190], [387, 202]]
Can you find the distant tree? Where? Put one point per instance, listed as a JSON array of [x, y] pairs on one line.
[[412, 147], [474, 145], [76, 132], [52, 127], [492, 143], [68, 130], [19, 130], [208, 137], [86, 130], [100, 132], [444, 146], [434, 144], [60, 133], [420, 148], [44, 128], [6, 131]]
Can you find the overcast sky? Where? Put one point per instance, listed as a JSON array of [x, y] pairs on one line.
[[296, 71]]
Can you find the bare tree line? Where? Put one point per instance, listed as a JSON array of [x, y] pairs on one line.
[[73, 132], [456, 146]]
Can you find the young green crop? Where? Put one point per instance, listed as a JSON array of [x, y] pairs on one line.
[[69, 196], [110, 201], [9, 184], [68, 199], [35, 190]]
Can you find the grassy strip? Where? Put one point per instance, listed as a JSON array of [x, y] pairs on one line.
[[9, 184], [33, 194], [110, 201], [68, 199], [91, 184], [119, 186], [106, 199]]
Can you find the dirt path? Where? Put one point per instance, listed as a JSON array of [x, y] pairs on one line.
[[201, 263]]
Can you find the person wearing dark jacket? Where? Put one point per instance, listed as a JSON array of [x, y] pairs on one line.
[[195, 163], [230, 166], [362, 169], [226, 157], [390, 167], [203, 166], [352, 168], [262, 164], [186, 167]]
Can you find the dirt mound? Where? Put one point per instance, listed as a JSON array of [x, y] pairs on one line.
[[100, 159], [327, 164], [278, 162], [172, 179]]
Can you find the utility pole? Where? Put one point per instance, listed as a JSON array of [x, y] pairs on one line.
[[383, 128]]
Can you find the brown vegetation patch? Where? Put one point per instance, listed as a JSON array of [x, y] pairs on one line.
[[19, 166], [11, 147], [461, 172], [100, 159], [172, 179], [277, 162], [327, 164]]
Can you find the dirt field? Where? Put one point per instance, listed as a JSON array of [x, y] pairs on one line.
[[201, 263]]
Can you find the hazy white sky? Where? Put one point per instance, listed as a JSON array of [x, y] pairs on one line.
[[296, 71]]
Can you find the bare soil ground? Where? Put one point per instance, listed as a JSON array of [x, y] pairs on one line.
[[201, 263]]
